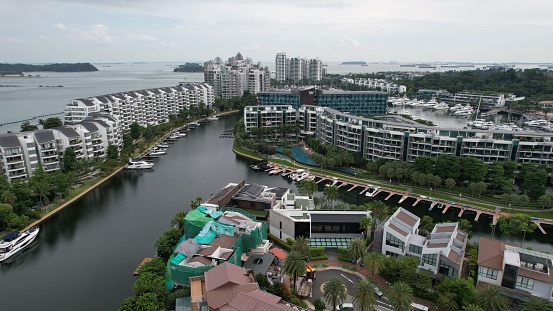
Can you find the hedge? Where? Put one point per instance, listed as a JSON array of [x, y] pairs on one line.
[[322, 257], [345, 258], [278, 242], [317, 251]]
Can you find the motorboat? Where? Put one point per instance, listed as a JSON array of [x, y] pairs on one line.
[[164, 146], [441, 106], [179, 134], [138, 164], [213, 118], [174, 135], [477, 123], [193, 125], [157, 151], [14, 242], [333, 183], [456, 107], [487, 125], [302, 176], [372, 191]]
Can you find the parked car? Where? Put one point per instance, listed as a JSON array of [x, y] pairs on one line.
[[377, 291]]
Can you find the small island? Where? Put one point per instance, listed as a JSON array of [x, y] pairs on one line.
[[189, 67], [19, 69]]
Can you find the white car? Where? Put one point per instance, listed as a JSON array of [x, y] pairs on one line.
[[344, 306]]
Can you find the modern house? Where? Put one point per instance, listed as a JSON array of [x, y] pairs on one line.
[[441, 251], [520, 272]]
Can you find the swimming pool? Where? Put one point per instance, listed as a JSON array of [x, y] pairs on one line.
[[298, 154]]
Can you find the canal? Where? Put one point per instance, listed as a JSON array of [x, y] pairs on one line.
[[84, 256]]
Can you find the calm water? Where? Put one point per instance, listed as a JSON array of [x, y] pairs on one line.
[[84, 257]]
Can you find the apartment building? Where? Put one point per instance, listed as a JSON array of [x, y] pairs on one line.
[[281, 67], [441, 252], [269, 116], [378, 84], [297, 68], [146, 107], [237, 75], [21, 153], [520, 272]]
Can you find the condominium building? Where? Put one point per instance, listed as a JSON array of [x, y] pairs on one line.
[[520, 272], [393, 137], [21, 153], [146, 107], [297, 68], [377, 84], [356, 103], [281, 67], [236, 76], [441, 252]]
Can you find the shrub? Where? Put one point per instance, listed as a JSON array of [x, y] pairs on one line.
[[322, 257], [316, 251], [278, 242]]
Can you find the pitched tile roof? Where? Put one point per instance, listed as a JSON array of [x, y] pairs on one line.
[[490, 253], [256, 300], [225, 273], [406, 218], [279, 253]]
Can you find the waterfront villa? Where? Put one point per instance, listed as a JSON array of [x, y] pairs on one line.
[[441, 251], [520, 272]]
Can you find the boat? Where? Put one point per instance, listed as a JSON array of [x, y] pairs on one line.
[[372, 191], [477, 123], [487, 125], [138, 164], [174, 136], [157, 151], [456, 107], [14, 242], [180, 134], [165, 146], [193, 125], [212, 118], [441, 106]]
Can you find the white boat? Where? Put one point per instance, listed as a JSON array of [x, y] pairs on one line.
[[16, 241], [487, 125], [372, 191], [165, 146], [174, 136], [138, 164], [302, 176], [333, 183], [156, 152], [477, 123], [181, 134], [213, 118], [456, 107], [441, 106]]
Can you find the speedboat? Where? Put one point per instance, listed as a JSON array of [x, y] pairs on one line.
[[212, 118], [165, 146], [14, 242], [157, 151], [372, 191], [441, 106], [174, 136], [179, 134], [138, 164]]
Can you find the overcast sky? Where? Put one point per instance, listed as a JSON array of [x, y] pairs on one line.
[[332, 30]]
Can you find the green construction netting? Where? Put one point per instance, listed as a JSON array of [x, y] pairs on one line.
[[236, 257], [194, 222], [216, 214], [169, 284], [182, 274], [178, 258], [221, 228], [201, 209], [207, 238]]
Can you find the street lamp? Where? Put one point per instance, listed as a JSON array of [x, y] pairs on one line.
[[509, 210], [460, 195], [430, 191], [390, 182]]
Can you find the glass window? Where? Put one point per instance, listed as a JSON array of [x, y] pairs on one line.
[[525, 282], [392, 240], [487, 273], [415, 249], [429, 259]]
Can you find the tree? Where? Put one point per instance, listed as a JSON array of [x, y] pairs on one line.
[[155, 266], [449, 183], [166, 243], [364, 295], [135, 129], [319, 305], [516, 224], [262, 280], [546, 200], [465, 225], [40, 184], [462, 290], [149, 301], [307, 187], [331, 194], [112, 152], [534, 303], [301, 245], [472, 307], [69, 160], [129, 304], [51, 123], [27, 127], [400, 296], [365, 224], [374, 263], [334, 291], [294, 265], [426, 225], [356, 249], [491, 299], [149, 282]]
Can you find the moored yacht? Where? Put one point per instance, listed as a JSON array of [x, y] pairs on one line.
[[212, 118], [14, 242], [138, 164]]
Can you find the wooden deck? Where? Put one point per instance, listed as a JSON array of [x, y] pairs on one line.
[[136, 273]]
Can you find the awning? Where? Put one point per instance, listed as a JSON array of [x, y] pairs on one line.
[[280, 254]]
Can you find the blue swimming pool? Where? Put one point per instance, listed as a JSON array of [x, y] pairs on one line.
[[298, 155]]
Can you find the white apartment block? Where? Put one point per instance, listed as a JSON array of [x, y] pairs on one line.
[[237, 75], [281, 67], [146, 107], [21, 153], [520, 272], [269, 116], [377, 84], [441, 252], [489, 100], [297, 68]]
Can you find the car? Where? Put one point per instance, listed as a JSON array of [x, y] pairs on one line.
[[377, 291], [344, 306]]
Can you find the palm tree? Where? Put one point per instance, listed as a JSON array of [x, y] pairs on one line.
[[364, 295], [426, 225], [472, 307], [535, 304], [491, 299], [356, 249], [365, 225], [334, 292], [199, 200], [379, 211], [301, 245], [400, 296], [294, 265], [307, 187], [331, 194], [374, 263]]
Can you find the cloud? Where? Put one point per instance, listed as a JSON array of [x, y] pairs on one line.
[[347, 42], [143, 37], [185, 27], [95, 34], [169, 44]]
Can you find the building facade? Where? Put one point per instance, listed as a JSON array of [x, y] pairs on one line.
[[146, 107], [520, 272], [21, 153], [236, 76], [441, 251], [297, 68]]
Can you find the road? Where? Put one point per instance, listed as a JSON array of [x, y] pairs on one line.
[[349, 280]]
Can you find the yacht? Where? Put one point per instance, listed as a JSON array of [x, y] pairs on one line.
[[441, 106], [477, 123], [14, 242], [138, 164], [456, 107], [165, 146], [174, 135], [156, 151], [213, 118], [302, 176], [487, 125], [372, 191]]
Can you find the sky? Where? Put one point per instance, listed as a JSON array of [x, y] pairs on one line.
[[97, 31]]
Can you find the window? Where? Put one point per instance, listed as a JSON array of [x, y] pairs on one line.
[[448, 270], [429, 259], [392, 240], [525, 282], [487, 273], [415, 249]]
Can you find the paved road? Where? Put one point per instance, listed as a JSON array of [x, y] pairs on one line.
[[349, 280]]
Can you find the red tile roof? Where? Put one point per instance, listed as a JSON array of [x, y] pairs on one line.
[[490, 253], [406, 218], [280, 254], [257, 300]]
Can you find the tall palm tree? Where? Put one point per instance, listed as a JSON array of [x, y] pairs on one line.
[[199, 200], [426, 225], [400, 296], [491, 299], [331, 194], [294, 265], [365, 225], [472, 307], [535, 304], [307, 187], [379, 211], [357, 249], [334, 291], [374, 262], [364, 295], [301, 245]]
